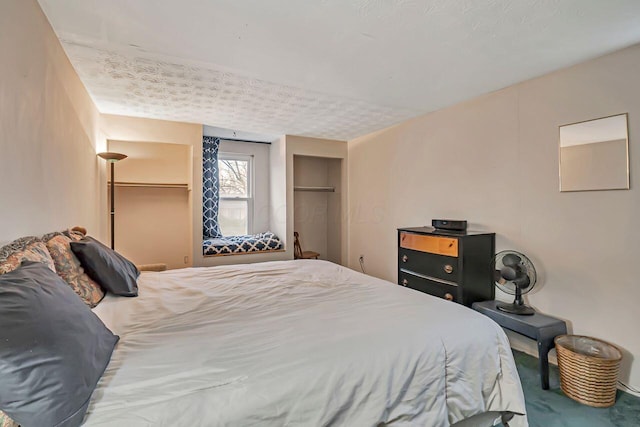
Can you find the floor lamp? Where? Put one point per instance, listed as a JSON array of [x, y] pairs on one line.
[[112, 158]]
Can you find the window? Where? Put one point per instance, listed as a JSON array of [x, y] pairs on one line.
[[235, 188], [235, 214]]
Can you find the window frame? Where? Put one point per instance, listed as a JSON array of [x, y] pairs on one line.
[[226, 155]]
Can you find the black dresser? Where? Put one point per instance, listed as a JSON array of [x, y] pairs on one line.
[[452, 265]]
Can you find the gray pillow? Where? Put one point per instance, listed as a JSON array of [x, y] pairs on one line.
[[111, 270], [53, 349]]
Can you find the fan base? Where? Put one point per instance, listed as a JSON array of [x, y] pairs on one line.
[[513, 308]]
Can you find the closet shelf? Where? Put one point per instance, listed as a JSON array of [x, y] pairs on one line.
[[149, 185], [319, 189]]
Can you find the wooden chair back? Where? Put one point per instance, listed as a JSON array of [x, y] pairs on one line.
[[297, 249]]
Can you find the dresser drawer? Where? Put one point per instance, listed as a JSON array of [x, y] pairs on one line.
[[431, 244], [439, 266], [431, 287]]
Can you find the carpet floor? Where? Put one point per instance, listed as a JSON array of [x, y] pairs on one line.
[[551, 408]]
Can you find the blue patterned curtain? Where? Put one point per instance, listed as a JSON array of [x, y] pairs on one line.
[[210, 189]]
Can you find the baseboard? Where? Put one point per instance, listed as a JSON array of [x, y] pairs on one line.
[[525, 345]]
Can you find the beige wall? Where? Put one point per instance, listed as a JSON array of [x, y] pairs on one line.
[[494, 162], [152, 225], [167, 234], [48, 132], [152, 162], [125, 128], [337, 212], [278, 191]]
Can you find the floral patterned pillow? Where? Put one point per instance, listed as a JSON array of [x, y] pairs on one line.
[[5, 421], [24, 249], [68, 267], [75, 234]]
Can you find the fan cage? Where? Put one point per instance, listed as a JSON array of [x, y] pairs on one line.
[[529, 267]]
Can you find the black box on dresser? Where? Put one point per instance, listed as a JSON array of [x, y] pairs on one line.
[[452, 265]]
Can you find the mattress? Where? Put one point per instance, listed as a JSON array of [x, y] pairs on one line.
[[297, 343]]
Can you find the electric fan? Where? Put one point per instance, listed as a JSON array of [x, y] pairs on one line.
[[514, 274]]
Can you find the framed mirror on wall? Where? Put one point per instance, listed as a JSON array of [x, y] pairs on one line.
[[594, 154]]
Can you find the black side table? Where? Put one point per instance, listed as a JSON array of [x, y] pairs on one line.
[[539, 327]]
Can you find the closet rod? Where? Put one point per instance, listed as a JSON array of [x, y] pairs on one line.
[[320, 189], [150, 185], [241, 140]]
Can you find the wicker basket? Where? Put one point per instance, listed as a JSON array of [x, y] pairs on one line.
[[588, 369]]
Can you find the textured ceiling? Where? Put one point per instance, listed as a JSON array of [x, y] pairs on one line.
[[326, 68]]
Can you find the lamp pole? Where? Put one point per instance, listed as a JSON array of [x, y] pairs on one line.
[[112, 158], [113, 208]]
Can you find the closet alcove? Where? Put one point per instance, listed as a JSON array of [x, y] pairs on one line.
[[317, 189], [152, 201]]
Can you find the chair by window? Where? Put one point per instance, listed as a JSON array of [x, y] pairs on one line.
[[298, 253]]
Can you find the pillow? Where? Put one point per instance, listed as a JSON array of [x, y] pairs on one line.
[[68, 267], [111, 270], [26, 248], [11, 256], [53, 349], [75, 233], [5, 421]]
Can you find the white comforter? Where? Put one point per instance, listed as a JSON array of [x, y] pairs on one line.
[[297, 343]]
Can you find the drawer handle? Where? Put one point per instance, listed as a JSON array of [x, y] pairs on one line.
[[448, 268], [405, 258], [448, 296], [405, 282]]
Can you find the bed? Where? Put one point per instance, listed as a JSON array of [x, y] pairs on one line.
[[297, 343]]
